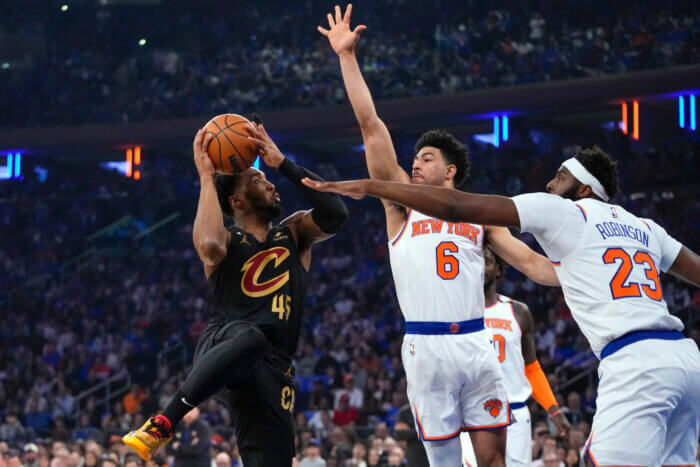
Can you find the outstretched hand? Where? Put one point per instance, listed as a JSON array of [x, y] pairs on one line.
[[356, 189], [269, 151], [341, 37]]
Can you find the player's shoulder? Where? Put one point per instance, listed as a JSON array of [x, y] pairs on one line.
[[522, 314]]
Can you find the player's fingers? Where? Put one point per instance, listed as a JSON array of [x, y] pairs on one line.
[[312, 183], [331, 23], [358, 30], [322, 30], [338, 15], [263, 131], [206, 140], [348, 12], [198, 138], [257, 141]]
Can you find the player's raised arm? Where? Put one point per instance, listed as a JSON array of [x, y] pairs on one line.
[[329, 213], [209, 234], [379, 149], [516, 253]]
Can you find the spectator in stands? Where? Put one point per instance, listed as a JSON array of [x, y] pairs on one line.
[[345, 414], [312, 455], [133, 399], [355, 394], [550, 458], [192, 441], [12, 431]]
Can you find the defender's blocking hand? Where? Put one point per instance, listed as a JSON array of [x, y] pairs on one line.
[[341, 37], [356, 189]]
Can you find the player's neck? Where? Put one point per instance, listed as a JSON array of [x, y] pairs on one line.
[[254, 225], [490, 295]]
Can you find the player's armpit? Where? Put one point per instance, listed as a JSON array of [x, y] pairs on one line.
[[305, 230], [687, 266], [516, 253]]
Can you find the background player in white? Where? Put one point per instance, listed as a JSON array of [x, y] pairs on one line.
[[454, 382], [608, 263], [513, 336]]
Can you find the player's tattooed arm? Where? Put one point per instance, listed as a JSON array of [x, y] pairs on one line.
[[209, 234], [687, 266]]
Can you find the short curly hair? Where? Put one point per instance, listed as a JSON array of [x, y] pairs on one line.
[[226, 185], [452, 149], [601, 166]]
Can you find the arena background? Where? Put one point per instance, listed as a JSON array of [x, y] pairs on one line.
[[101, 291]]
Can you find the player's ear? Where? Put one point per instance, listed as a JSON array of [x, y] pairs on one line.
[[584, 191], [235, 201], [451, 171]]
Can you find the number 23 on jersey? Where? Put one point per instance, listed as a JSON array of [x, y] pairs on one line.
[[619, 287]]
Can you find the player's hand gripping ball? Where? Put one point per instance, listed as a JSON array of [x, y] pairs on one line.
[[230, 149]]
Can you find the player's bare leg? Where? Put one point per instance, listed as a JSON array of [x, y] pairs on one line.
[[489, 447]]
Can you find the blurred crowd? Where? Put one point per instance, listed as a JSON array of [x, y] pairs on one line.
[[85, 64], [73, 321]]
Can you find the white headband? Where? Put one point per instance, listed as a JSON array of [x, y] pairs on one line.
[[584, 176]]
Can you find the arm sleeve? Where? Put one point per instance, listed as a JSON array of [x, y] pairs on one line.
[[329, 212], [669, 246], [557, 223]]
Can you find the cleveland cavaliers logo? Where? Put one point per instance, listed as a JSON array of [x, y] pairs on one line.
[[493, 407], [255, 266]]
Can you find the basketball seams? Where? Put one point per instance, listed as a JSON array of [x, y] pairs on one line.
[[234, 158]]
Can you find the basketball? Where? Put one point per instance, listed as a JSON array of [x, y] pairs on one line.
[[230, 149]]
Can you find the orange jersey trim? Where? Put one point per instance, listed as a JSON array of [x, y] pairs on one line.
[[490, 427], [583, 211], [590, 455], [403, 229], [423, 436], [467, 462], [512, 310]]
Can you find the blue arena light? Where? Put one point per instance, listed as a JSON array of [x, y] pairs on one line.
[[18, 164], [681, 111], [256, 164], [496, 132], [9, 166], [504, 127], [691, 111]]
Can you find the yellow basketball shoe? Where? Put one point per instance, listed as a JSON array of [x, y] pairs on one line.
[[154, 434]]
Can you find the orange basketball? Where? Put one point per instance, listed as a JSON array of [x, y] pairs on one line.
[[230, 149]]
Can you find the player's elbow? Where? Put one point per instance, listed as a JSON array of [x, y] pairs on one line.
[[211, 251]]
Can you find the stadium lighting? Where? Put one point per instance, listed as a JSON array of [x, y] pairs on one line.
[[129, 161], [496, 132], [681, 111], [142, 42], [635, 120], [18, 164], [5, 65], [64, 7], [9, 166], [624, 117], [256, 164], [692, 112], [504, 127]]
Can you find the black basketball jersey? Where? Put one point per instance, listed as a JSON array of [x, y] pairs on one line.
[[262, 283]]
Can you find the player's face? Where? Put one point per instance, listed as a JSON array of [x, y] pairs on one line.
[[261, 193], [429, 167], [563, 184]]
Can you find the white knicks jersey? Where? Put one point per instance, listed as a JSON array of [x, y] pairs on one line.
[[609, 265], [438, 269], [506, 335]]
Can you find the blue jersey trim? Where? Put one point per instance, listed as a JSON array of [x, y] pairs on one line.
[[636, 336], [434, 328]]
